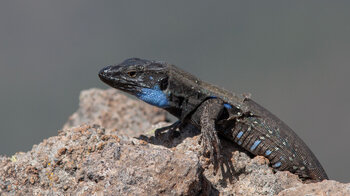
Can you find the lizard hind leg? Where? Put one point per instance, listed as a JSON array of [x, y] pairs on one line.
[[209, 111]]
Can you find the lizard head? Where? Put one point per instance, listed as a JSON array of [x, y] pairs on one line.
[[145, 79]]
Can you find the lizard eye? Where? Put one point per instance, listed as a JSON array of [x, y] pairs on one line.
[[132, 74]]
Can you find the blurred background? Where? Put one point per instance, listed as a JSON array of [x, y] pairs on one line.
[[293, 56]]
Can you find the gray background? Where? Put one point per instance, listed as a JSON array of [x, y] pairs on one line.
[[293, 56]]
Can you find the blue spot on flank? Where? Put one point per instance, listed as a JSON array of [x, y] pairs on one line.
[[256, 143], [239, 135], [239, 143], [154, 97], [278, 164], [268, 152], [151, 78], [228, 106]]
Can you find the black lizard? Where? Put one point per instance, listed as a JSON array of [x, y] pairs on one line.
[[215, 111]]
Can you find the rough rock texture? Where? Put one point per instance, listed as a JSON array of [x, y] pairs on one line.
[[91, 159], [327, 187], [114, 111], [85, 160]]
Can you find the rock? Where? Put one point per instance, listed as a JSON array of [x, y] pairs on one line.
[[84, 160], [101, 157], [326, 187], [115, 112]]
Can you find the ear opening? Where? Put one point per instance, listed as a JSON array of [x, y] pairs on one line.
[[163, 84]]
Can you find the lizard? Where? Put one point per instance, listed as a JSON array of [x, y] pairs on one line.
[[215, 112]]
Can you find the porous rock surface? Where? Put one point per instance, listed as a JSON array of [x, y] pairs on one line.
[[115, 112], [108, 147]]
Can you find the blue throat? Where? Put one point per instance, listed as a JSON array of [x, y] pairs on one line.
[[154, 96]]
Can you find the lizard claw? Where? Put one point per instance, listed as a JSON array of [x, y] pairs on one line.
[[171, 129]]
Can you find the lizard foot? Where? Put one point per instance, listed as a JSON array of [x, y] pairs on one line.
[[171, 129]]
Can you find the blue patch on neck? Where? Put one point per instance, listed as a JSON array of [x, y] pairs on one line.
[[154, 97], [228, 106]]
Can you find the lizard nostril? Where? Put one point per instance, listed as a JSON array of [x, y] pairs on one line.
[[100, 73], [103, 72]]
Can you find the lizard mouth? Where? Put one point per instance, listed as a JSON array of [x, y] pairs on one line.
[[113, 79]]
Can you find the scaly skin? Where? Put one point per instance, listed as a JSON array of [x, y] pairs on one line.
[[215, 111]]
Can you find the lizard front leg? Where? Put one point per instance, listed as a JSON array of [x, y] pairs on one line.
[[206, 117], [171, 128]]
